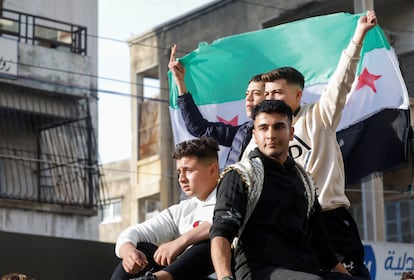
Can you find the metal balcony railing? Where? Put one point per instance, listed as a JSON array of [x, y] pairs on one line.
[[49, 156], [43, 31]]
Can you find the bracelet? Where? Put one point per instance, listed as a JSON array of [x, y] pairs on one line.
[[228, 278]]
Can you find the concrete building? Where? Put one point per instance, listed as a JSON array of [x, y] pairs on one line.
[[116, 213], [386, 215], [383, 211], [49, 177]]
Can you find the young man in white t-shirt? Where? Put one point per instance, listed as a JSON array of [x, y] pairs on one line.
[[182, 230]]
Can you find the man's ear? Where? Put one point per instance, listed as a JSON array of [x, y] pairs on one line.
[[254, 135], [292, 132], [299, 93], [214, 168]]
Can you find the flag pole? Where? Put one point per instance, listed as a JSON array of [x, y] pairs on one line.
[[372, 187]]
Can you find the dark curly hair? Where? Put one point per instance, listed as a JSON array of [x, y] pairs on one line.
[[202, 148]]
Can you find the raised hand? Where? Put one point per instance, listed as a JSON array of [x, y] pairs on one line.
[[365, 23], [178, 71], [175, 66]]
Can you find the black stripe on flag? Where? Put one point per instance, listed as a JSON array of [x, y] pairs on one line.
[[375, 144]]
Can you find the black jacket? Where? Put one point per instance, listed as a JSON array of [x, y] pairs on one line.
[[235, 137], [279, 232]]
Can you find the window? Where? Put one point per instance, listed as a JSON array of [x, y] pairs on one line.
[[151, 87], [148, 114], [152, 208], [9, 26], [148, 207], [392, 218], [356, 212], [111, 212], [399, 219], [2, 183]]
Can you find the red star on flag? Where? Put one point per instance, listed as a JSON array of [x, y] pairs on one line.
[[367, 79], [234, 121]]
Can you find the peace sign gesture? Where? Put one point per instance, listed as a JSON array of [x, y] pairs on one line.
[[178, 71]]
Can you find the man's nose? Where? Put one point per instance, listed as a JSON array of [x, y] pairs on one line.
[[271, 133], [182, 177], [270, 96]]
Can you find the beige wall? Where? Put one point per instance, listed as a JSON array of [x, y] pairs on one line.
[[117, 178]]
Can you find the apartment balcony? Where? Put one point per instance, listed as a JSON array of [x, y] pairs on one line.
[[48, 116], [46, 54], [48, 150]]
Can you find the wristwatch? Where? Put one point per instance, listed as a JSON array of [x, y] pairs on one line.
[[228, 278]]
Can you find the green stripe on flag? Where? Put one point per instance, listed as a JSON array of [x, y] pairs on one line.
[[219, 72]]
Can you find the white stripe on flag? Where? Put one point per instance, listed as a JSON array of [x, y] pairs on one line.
[[226, 111], [390, 87], [364, 102]]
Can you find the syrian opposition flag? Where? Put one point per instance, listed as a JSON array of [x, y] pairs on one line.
[[373, 132]]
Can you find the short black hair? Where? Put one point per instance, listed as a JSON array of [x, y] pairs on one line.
[[256, 78], [202, 148], [290, 74], [272, 106]]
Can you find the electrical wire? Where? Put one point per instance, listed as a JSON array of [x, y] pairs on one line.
[[92, 90], [77, 165], [84, 75], [100, 90], [397, 30], [263, 5]]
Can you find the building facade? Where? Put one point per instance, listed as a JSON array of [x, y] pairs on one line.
[[50, 182], [154, 179], [382, 205], [116, 212]]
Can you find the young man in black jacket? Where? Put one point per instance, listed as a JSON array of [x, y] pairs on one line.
[[269, 202]]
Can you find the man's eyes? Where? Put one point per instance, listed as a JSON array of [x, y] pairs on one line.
[[184, 171], [279, 127], [274, 92], [276, 127], [254, 92]]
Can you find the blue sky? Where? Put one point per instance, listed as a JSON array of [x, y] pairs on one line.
[[118, 21]]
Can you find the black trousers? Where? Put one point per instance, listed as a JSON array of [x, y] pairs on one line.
[[340, 276], [345, 239], [194, 264], [270, 273]]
